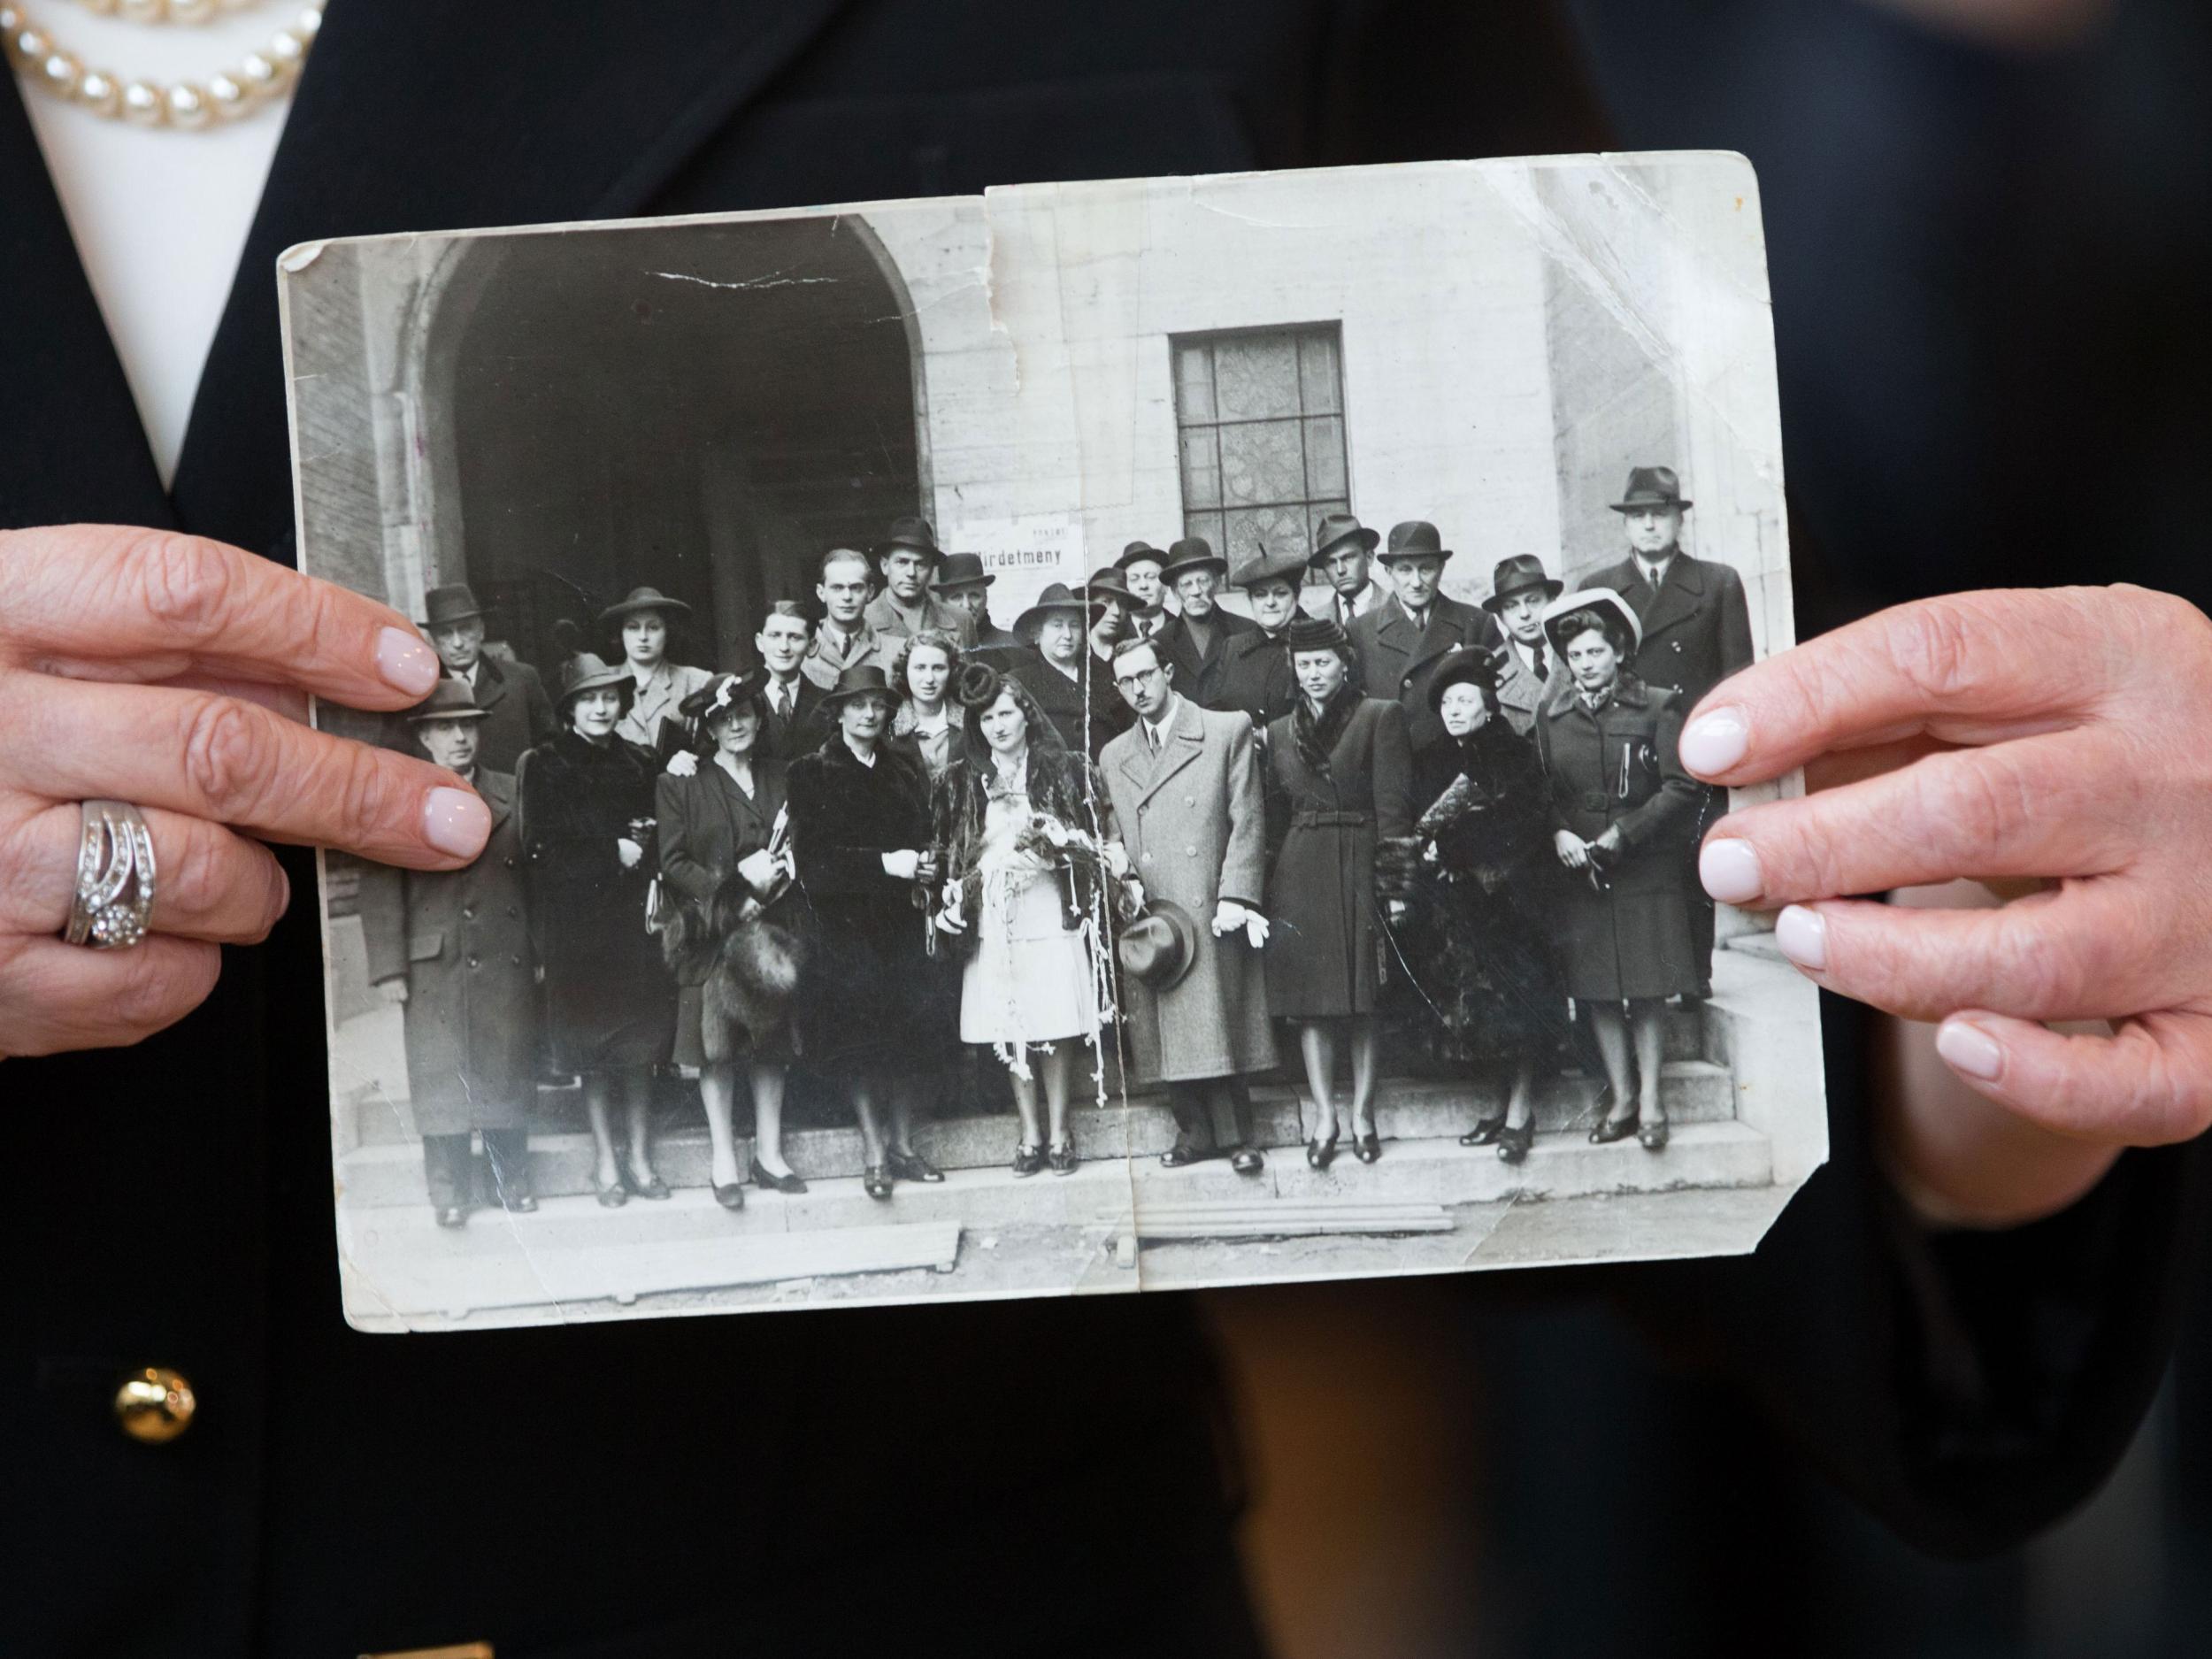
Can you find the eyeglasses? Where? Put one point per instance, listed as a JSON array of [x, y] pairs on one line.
[[1130, 682]]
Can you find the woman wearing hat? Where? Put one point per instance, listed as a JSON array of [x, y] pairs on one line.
[[1340, 776], [1621, 811], [860, 837], [588, 804], [724, 822], [1017, 829], [1257, 678], [1074, 690], [923, 667], [1482, 891], [640, 625]]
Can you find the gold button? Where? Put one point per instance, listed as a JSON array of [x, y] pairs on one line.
[[155, 1406]]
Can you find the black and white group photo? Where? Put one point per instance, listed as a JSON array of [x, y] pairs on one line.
[[1089, 739]]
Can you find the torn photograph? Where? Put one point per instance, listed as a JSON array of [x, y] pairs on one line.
[[1087, 739]]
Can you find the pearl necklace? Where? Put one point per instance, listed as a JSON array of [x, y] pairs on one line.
[[259, 79]]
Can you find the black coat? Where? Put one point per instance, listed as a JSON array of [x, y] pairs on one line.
[[1087, 711], [1203, 676], [786, 736], [1398, 660], [1696, 623], [1257, 678], [332, 1498]]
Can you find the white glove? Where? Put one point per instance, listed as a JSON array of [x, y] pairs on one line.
[[759, 869], [1229, 915], [1117, 858], [682, 764], [1255, 928], [903, 865], [631, 853]]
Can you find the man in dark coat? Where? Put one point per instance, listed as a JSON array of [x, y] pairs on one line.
[[452, 947], [1197, 639], [1401, 642], [517, 714], [1257, 680], [1697, 632], [793, 701], [1344, 552], [963, 583]]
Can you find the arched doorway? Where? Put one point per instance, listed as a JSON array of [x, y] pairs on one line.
[[704, 408]]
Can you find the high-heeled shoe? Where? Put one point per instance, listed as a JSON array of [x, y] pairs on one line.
[[875, 1180], [1028, 1160], [768, 1181], [1485, 1132], [730, 1196], [612, 1195], [1652, 1135], [1319, 1153], [1367, 1147], [1612, 1129], [912, 1166], [653, 1188], [1513, 1144], [1062, 1159]]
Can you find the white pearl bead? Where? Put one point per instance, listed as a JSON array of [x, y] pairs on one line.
[[11, 20], [61, 72], [31, 45], [229, 97], [260, 73], [188, 105], [143, 104], [286, 48], [308, 24], [144, 11], [98, 91]]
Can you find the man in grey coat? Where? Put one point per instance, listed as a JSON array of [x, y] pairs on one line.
[[452, 947], [1184, 801], [1527, 668]]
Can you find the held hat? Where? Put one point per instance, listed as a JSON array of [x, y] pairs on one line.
[[1314, 633], [1650, 487], [913, 534], [1335, 531], [1192, 552], [1137, 553], [1605, 602], [1415, 539], [643, 599], [1469, 666], [724, 692], [1055, 598], [1160, 947], [449, 700], [1517, 575], [455, 602], [858, 679], [961, 570], [1270, 567]]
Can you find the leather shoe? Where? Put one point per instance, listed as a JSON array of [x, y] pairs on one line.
[[1513, 1144], [522, 1203], [452, 1216], [730, 1197], [912, 1166], [1246, 1161], [763, 1180], [1485, 1132], [1654, 1135], [613, 1195], [1062, 1159], [1367, 1147], [876, 1181], [1182, 1155], [654, 1187], [1028, 1160], [1613, 1129], [1319, 1153]]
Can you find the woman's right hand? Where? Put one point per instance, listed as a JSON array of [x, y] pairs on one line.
[[1573, 851], [171, 673], [630, 853]]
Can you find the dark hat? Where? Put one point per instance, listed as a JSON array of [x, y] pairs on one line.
[[978, 685], [910, 533], [643, 599], [1602, 599], [1270, 567], [1517, 575], [1192, 552], [958, 570], [861, 677], [1160, 947], [1416, 538], [1650, 487], [1136, 552], [1314, 633], [449, 700], [1337, 529], [585, 672], [724, 692], [1108, 582], [1469, 666], [453, 603], [1058, 596]]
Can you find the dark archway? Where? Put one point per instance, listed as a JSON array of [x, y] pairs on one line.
[[704, 408]]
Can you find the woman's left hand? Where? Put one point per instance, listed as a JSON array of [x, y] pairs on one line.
[[2065, 735]]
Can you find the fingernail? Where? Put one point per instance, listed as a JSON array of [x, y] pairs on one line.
[[406, 662], [455, 821], [1802, 935], [1716, 741], [1970, 1049], [1730, 870]]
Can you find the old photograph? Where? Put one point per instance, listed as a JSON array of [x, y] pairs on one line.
[[1089, 739]]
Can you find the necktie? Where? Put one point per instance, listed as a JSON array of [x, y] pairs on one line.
[[1536, 656]]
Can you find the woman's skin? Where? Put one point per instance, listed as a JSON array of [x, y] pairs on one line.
[[1060, 638], [927, 670], [644, 641], [1320, 676], [1465, 714], [175, 672], [1273, 604]]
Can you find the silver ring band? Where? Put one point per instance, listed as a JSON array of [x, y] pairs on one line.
[[115, 878]]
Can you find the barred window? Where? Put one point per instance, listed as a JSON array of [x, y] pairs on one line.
[[1259, 413]]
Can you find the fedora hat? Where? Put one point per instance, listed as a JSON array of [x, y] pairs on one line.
[[1192, 552], [961, 570], [861, 677], [455, 602], [914, 534], [1517, 575], [1469, 666], [1415, 539], [450, 699], [1136, 553], [1057, 597], [585, 672], [1270, 567], [643, 599], [1651, 487], [1160, 947], [1335, 530], [1602, 600], [724, 692]]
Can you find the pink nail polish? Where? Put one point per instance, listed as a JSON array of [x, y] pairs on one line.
[[407, 662], [1716, 741], [1968, 1049], [1802, 935], [1730, 870], [455, 821]]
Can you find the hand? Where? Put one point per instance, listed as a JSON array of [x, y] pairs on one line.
[[1607, 844], [2064, 735], [903, 865], [1117, 858], [682, 764], [759, 868], [393, 991], [1228, 916], [627, 851], [173, 673], [1574, 852]]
